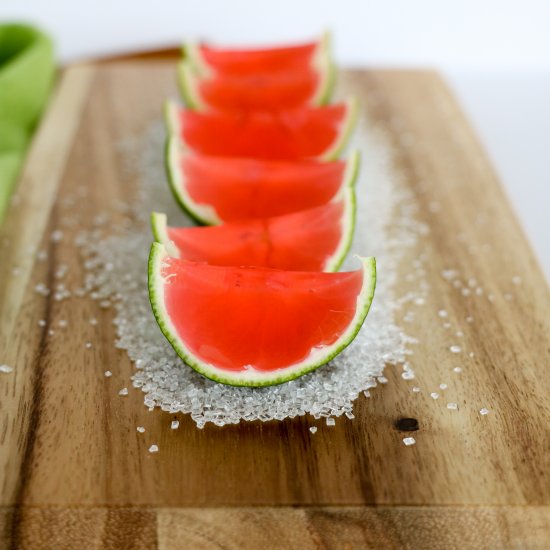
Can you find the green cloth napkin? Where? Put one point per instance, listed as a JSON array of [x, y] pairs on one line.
[[26, 75]]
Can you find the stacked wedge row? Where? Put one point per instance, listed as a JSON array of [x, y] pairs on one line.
[[247, 298]]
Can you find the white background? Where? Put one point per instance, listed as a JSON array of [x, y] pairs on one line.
[[495, 54]]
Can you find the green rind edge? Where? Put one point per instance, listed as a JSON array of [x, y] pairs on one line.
[[154, 230], [349, 236], [355, 162], [189, 53], [155, 220], [185, 87], [155, 256], [172, 141], [330, 85], [330, 65], [345, 135]]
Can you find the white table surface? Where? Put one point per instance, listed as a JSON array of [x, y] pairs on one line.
[[511, 114]]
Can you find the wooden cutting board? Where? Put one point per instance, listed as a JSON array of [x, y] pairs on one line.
[[75, 473]]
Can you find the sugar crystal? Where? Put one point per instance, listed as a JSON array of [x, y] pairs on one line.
[[313, 429], [153, 449], [6, 369], [42, 289], [408, 441], [175, 424], [56, 235]]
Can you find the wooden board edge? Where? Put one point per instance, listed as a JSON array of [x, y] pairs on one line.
[[278, 527], [36, 190]]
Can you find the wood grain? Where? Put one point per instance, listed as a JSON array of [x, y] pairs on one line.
[[396, 528], [70, 452]]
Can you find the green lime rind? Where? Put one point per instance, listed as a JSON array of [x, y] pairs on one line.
[[187, 83], [158, 227], [190, 51], [330, 84], [170, 116], [353, 166], [349, 218], [250, 378], [346, 132], [327, 68], [171, 166]]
